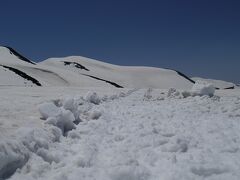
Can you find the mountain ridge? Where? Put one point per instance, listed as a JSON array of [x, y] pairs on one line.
[[82, 71]]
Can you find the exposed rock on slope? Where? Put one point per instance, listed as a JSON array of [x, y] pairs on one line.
[[85, 72]]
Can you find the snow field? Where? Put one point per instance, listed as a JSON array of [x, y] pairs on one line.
[[143, 134]]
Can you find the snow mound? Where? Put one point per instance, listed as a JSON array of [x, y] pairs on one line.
[[64, 121], [203, 88], [13, 155], [57, 116]]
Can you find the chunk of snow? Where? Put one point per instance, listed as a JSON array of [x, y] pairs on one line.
[[56, 134], [92, 97], [172, 92], [48, 109], [13, 155], [73, 106], [64, 121], [68, 104], [203, 88]]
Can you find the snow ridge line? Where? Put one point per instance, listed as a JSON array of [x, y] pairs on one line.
[[12, 51]]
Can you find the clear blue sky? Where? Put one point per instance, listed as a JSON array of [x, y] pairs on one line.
[[197, 37]]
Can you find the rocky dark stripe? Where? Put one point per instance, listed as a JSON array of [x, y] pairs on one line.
[[12, 51], [77, 65], [23, 75], [110, 82]]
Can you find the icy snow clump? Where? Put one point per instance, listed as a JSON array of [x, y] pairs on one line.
[[92, 97], [70, 111], [48, 109], [173, 93], [64, 121], [203, 88], [59, 117]]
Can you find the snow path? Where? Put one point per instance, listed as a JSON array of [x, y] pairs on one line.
[[152, 139]]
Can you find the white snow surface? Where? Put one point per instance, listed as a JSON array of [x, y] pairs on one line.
[[9, 78], [79, 127], [216, 83], [53, 72], [130, 134], [126, 76]]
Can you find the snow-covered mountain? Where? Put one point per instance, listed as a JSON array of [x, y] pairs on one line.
[[123, 76], [16, 70]]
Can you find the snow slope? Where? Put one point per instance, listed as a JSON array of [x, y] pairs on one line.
[[17, 70], [8, 57], [217, 83], [10, 62], [46, 76], [9, 78], [134, 134], [125, 76]]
